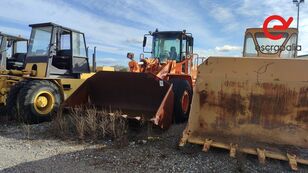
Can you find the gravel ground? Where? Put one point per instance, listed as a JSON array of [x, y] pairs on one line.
[[33, 149]]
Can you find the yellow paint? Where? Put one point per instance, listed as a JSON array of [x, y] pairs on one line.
[[44, 102], [41, 68], [73, 85], [6, 82], [250, 101], [86, 75], [105, 68]]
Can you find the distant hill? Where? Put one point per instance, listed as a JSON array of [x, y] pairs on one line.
[[116, 68], [120, 68]]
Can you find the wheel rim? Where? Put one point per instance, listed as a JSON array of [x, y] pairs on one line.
[[185, 101], [44, 102]]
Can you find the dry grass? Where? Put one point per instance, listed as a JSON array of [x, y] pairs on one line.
[[26, 130], [89, 123]]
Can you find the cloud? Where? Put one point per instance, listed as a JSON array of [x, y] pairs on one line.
[[213, 52], [222, 14], [250, 8], [118, 26], [115, 27], [134, 41], [228, 48], [14, 31], [109, 36]]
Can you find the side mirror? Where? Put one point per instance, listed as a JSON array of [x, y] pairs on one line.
[[144, 41], [191, 42], [9, 44], [141, 57]]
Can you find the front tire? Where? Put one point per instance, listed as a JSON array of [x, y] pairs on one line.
[[38, 100], [11, 101], [182, 99]]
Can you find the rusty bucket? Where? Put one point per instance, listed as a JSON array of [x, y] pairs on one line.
[[141, 96], [253, 105]]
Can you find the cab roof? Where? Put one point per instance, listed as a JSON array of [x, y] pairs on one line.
[[53, 25], [156, 32], [12, 37], [254, 30]]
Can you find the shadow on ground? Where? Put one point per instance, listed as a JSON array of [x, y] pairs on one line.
[[155, 156]]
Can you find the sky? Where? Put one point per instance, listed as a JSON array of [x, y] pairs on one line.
[[116, 27]]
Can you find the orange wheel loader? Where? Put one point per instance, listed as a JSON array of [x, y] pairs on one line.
[[256, 104], [159, 88]]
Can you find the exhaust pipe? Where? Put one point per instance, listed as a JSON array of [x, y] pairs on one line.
[[94, 60]]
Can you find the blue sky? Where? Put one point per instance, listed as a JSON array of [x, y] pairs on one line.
[[117, 26]]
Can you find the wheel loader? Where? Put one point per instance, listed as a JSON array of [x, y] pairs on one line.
[[13, 51], [159, 90], [55, 65], [256, 104]]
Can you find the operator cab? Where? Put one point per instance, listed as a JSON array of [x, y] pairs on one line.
[[256, 44], [170, 45], [55, 51], [13, 50]]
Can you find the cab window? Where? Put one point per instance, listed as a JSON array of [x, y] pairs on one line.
[[166, 48], [79, 47], [40, 41]]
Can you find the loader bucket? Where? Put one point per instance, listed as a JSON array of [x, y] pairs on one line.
[[253, 105], [140, 96]]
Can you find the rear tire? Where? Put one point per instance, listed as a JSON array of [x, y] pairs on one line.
[[38, 100], [182, 100]]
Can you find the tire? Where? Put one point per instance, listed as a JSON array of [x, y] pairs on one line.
[[3, 117], [38, 100], [11, 100], [180, 88]]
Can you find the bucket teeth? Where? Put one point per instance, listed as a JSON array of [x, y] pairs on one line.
[[233, 148], [184, 138], [207, 145], [292, 162], [254, 103], [261, 155]]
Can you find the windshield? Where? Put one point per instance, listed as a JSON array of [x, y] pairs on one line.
[[21, 47], [290, 51], [40, 41], [166, 47], [250, 48], [269, 46]]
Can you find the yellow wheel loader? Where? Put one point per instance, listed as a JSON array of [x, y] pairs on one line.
[[158, 89], [55, 65], [256, 104], [13, 50]]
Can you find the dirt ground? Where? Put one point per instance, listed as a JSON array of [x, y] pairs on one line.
[[33, 148]]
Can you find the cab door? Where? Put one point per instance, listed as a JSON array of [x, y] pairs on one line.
[[80, 62]]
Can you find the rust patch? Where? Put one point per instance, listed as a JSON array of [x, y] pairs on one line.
[[234, 84], [231, 104], [303, 97], [302, 116], [221, 122], [203, 97], [277, 100], [203, 125]]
